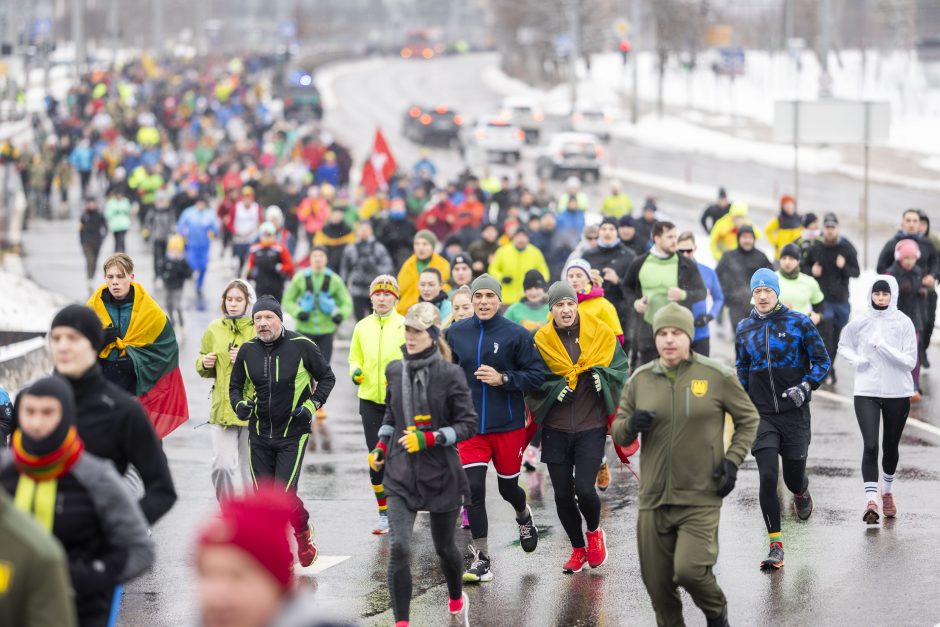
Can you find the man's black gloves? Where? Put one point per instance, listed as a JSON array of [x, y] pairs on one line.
[[243, 409], [726, 475], [641, 421], [109, 333]]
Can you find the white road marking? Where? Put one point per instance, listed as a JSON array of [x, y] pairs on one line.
[[323, 562], [845, 400]]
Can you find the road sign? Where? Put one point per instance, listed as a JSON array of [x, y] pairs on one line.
[[831, 122]]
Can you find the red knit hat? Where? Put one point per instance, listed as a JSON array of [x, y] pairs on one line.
[[906, 248], [256, 523], [787, 198]]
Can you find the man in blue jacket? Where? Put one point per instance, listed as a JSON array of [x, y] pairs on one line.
[[781, 358], [703, 314], [500, 361]]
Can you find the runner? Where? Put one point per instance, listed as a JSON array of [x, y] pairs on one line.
[[685, 476], [532, 309], [882, 347], [269, 263], [429, 411], [500, 362], [217, 353], [780, 360], [424, 257], [271, 387], [584, 375], [461, 306], [799, 292], [701, 341], [376, 342]]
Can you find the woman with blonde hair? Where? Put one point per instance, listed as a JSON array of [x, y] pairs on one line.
[[220, 344], [461, 307]]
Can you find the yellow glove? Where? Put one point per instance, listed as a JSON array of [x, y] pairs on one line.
[[415, 440]]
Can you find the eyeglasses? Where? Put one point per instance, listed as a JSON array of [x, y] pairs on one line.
[[685, 251]]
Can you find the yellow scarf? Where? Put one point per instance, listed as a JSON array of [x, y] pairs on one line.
[[597, 342], [147, 320], [37, 498]]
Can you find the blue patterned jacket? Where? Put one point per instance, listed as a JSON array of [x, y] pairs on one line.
[[776, 352]]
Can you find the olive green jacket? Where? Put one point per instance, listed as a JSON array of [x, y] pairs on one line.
[[685, 445]]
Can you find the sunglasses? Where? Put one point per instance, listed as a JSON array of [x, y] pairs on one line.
[[685, 251]]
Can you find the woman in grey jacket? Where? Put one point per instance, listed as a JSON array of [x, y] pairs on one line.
[[76, 496], [428, 403]]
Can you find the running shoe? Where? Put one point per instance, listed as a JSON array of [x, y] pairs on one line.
[[461, 618], [322, 432], [464, 518], [888, 505], [306, 549], [917, 396], [576, 562], [603, 477], [528, 533], [774, 559], [871, 513], [803, 503], [596, 548], [479, 569], [381, 526], [529, 458]]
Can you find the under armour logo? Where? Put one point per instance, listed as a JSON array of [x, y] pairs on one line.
[[495, 347], [781, 335]]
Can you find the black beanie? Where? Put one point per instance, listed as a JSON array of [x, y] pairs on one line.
[[84, 320], [880, 286], [58, 388], [267, 303], [790, 250]]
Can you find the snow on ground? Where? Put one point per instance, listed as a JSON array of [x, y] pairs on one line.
[[25, 306]]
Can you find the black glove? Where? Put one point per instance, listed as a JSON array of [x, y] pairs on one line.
[[302, 413], [244, 409], [703, 321], [303, 316], [110, 333], [726, 475], [798, 394], [566, 395], [507, 280], [641, 421], [91, 579], [337, 318]]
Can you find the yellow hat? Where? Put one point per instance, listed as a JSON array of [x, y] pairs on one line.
[[176, 243]]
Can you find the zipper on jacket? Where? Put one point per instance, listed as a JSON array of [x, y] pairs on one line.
[[277, 369], [770, 366], [482, 385], [672, 438], [687, 395], [378, 365], [267, 375]]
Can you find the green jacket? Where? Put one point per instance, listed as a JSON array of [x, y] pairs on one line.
[[222, 335], [376, 342], [321, 321], [117, 211], [685, 445], [35, 589]]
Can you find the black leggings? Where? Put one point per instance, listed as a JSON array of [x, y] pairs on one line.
[[401, 531], [869, 411], [372, 415], [508, 489], [567, 487], [794, 477]]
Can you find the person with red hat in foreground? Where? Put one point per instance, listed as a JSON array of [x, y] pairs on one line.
[[244, 565]]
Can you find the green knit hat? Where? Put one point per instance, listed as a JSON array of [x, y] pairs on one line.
[[676, 316], [560, 290], [427, 236], [487, 282]]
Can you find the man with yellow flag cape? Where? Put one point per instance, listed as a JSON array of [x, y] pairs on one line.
[[585, 373], [140, 353]]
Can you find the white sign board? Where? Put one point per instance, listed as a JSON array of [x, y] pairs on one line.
[[831, 122]]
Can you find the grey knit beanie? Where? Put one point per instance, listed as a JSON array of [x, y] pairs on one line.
[[486, 282], [560, 290]]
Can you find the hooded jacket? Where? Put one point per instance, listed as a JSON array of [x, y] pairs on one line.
[[775, 352], [376, 342], [882, 347], [222, 335], [510, 265]]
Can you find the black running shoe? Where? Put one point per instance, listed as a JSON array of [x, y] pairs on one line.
[[774, 559], [803, 504], [479, 569], [528, 534]]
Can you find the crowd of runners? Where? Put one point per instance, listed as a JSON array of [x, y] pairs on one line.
[[493, 323]]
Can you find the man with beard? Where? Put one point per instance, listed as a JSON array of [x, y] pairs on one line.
[[742, 261]]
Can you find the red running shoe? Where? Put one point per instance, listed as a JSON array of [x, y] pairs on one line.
[[888, 505], [576, 562], [306, 549], [596, 548]]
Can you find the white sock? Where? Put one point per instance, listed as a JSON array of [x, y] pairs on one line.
[[887, 483], [871, 492]]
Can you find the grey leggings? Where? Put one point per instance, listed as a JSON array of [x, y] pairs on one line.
[[401, 522]]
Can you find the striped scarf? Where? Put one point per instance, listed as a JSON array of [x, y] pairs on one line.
[[51, 466]]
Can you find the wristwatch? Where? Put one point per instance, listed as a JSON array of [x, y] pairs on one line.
[[505, 378]]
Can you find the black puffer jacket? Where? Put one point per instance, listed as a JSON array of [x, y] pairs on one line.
[[432, 479]]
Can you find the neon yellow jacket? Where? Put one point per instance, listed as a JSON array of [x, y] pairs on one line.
[[779, 236], [724, 235], [376, 342], [509, 266]]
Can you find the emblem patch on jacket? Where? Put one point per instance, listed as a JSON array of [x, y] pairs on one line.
[[699, 387], [495, 347]]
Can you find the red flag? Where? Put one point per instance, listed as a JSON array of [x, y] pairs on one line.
[[380, 166]]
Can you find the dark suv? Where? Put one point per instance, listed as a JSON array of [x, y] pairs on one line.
[[427, 125]]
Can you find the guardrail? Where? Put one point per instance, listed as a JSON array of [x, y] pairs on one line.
[[23, 362]]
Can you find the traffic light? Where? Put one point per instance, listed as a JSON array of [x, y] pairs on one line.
[[624, 49]]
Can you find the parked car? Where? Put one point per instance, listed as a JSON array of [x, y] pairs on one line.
[[427, 125], [591, 119], [568, 154], [526, 114], [496, 138]]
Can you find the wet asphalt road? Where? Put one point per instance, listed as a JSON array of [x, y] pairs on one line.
[[838, 570]]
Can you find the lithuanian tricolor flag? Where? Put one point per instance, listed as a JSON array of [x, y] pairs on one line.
[[151, 344]]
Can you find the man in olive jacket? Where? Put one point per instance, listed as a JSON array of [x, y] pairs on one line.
[[678, 403]]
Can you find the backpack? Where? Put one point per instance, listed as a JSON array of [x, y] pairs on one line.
[[322, 300]]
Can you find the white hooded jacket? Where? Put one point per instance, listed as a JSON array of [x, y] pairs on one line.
[[882, 347]]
